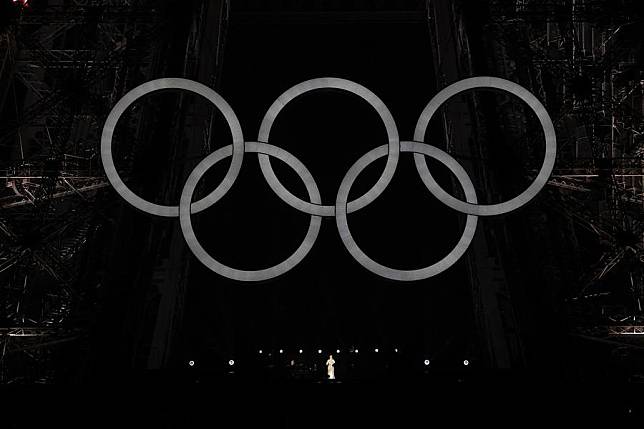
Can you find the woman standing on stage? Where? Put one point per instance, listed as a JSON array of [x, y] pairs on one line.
[[329, 368]]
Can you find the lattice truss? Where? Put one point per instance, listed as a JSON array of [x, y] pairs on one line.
[[586, 59], [63, 64]]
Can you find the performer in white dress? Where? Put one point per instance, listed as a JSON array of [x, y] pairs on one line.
[[329, 368]]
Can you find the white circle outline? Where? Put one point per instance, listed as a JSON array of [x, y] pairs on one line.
[[548, 161], [353, 88], [390, 273], [156, 85], [232, 273]]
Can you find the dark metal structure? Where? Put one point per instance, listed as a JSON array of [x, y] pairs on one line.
[[584, 59], [64, 64], [578, 282]]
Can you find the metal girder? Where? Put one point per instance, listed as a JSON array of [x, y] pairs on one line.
[[81, 187], [626, 330], [18, 339]]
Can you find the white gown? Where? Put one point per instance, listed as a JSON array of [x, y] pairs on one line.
[[329, 368]]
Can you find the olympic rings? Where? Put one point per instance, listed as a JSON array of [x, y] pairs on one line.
[[314, 206]]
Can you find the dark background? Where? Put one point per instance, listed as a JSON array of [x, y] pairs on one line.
[[329, 301], [94, 290]]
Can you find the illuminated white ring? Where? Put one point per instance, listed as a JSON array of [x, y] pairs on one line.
[[330, 83], [452, 257], [156, 85], [218, 267], [548, 161]]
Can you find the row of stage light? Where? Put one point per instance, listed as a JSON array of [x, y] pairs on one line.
[[426, 362], [337, 351]]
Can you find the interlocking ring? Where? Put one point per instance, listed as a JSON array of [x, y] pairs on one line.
[[157, 85], [548, 161], [314, 206], [421, 149], [351, 87], [209, 261]]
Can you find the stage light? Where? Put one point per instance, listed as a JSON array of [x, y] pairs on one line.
[[231, 362], [300, 351], [466, 362], [191, 363], [319, 351], [356, 350], [395, 350], [281, 351], [376, 350], [337, 351], [260, 352], [426, 362]]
